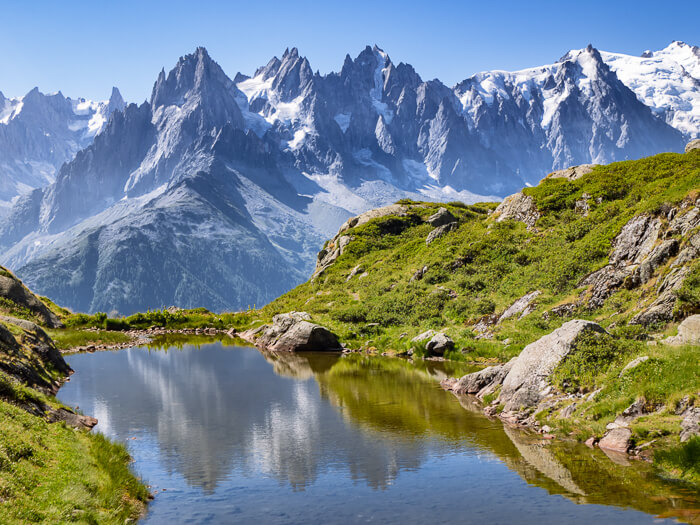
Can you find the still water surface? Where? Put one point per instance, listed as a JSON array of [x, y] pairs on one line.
[[232, 435]]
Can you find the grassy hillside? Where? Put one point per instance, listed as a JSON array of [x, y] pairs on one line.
[[51, 472], [483, 266]]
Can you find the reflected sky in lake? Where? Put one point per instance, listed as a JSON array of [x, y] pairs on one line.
[[235, 435]]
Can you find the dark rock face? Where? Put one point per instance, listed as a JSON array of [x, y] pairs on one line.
[[294, 332], [29, 359], [13, 290]]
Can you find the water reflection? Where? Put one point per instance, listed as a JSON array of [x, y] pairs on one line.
[[214, 415]]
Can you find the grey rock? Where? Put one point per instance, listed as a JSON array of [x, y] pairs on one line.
[[688, 333], [682, 223], [71, 419], [692, 145], [427, 335], [474, 383], [652, 262], [633, 364], [616, 440], [635, 241], [661, 310], [355, 271], [293, 332], [529, 376], [418, 275], [440, 231], [439, 344], [690, 426], [520, 306], [518, 207], [572, 173], [604, 283], [441, 217]]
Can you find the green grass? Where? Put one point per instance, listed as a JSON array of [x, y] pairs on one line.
[[193, 318], [52, 474], [682, 460], [484, 266], [68, 338]]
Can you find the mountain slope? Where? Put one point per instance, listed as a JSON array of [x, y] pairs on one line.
[[274, 163], [38, 133]]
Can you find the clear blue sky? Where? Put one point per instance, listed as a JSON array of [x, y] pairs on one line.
[[84, 47]]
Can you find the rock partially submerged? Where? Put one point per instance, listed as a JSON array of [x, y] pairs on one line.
[[528, 379], [524, 380], [293, 332]]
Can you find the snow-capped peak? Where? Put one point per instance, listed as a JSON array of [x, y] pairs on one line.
[[668, 81]]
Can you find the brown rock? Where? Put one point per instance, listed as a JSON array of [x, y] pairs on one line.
[[616, 440]]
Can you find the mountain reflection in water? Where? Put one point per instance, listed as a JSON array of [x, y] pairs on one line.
[[235, 417]]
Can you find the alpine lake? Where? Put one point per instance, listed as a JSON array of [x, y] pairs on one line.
[[230, 434]]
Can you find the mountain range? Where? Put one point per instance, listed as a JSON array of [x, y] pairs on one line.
[[218, 192]]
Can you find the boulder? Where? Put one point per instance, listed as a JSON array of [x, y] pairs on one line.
[[522, 306], [690, 426], [474, 383], [688, 333], [572, 173], [441, 217], [692, 145], [424, 336], [294, 332], [13, 290], [439, 344], [440, 231], [528, 379], [616, 440], [518, 207]]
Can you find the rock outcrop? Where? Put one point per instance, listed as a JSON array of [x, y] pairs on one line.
[[692, 145], [521, 307], [572, 173], [688, 333], [440, 231], [441, 217], [518, 207], [524, 380], [661, 310], [634, 259], [293, 332], [13, 290], [526, 383]]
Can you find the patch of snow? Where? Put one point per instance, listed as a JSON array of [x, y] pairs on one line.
[[343, 120], [376, 92], [668, 81]]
